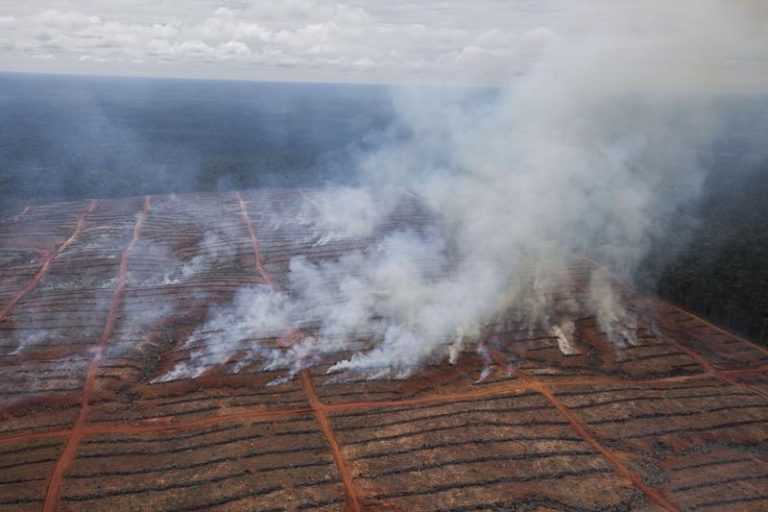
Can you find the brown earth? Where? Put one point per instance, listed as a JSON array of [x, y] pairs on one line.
[[88, 320]]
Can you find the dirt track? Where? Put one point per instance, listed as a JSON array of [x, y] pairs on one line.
[[677, 422]]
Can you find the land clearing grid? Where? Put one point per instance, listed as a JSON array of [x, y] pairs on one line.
[[676, 422]]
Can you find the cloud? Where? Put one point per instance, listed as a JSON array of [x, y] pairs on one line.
[[372, 41], [330, 36]]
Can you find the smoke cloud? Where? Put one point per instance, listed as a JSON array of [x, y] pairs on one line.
[[586, 152]]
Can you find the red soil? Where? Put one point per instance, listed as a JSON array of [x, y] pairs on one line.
[[677, 422]]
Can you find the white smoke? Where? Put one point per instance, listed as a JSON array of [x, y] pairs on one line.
[[347, 213], [214, 251], [583, 154]]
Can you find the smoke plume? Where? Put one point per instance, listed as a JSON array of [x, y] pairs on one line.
[[584, 152]]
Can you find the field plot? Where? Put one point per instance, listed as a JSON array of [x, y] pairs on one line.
[[101, 300]]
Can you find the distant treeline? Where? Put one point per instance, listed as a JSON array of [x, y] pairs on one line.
[[720, 267], [69, 137]]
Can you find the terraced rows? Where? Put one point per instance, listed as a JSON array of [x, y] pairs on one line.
[[100, 299]]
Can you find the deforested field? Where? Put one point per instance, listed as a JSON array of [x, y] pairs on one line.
[[97, 296]]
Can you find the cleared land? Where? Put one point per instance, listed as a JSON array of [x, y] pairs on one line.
[[94, 304]]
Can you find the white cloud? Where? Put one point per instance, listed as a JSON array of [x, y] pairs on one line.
[[234, 49], [353, 39], [91, 58]]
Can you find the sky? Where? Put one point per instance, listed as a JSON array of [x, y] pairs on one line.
[[397, 41]]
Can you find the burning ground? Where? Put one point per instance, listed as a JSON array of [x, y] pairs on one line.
[[541, 406]]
